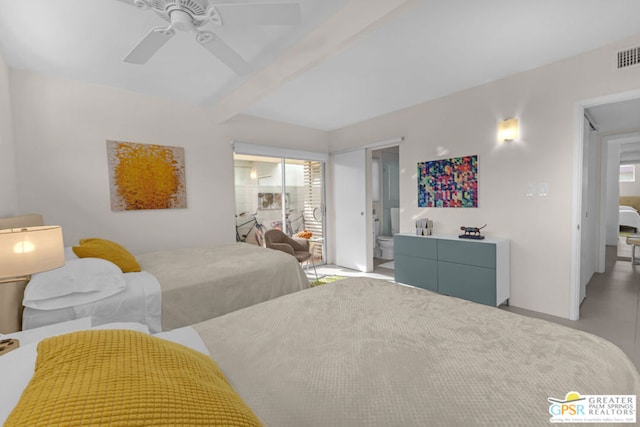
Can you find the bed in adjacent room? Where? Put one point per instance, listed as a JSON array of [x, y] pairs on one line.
[[365, 352], [629, 217], [174, 288]]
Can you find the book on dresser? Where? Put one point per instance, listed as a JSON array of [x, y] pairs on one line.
[[476, 270]]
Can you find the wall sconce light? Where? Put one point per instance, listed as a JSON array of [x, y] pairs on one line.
[[28, 250], [508, 130], [254, 173]]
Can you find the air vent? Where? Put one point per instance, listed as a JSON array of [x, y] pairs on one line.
[[628, 57]]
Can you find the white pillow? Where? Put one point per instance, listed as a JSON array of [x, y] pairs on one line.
[[79, 281]]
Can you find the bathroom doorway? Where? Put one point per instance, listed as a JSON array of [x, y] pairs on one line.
[[385, 201]]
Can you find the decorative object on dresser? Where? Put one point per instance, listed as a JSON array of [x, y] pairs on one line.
[[424, 227], [24, 251], [472, 232], [476, 270]]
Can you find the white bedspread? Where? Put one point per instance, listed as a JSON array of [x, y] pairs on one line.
[[140, 302], [202, 283], [363, 352]]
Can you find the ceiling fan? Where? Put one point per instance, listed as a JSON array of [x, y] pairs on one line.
[[191, 15]]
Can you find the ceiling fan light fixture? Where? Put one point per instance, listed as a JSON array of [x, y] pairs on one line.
[[191, 15], [181, 20]]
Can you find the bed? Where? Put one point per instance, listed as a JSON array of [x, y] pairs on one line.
[[365, 352], [202, 283], [629, 217], [176, 287]]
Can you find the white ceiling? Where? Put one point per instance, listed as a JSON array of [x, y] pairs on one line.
[[422, 50], [620, 118], [617, 117]]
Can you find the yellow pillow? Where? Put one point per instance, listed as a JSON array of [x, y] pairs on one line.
[[126, 378], [106, 249]]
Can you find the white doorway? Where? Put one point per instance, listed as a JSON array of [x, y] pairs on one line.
[[352, 221], [352, 184], [590, 190], [385, 203], [589, 210]]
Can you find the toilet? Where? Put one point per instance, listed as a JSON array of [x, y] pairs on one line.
[[385, 243], [376, 232]]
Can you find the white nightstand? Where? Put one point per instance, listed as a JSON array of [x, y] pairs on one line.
[[36, 334]]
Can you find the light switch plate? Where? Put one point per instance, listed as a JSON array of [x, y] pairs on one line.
[[531, 189], [543, 189]]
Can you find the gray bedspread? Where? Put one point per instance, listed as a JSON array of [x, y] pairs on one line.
[[364, 352], [201, 283]]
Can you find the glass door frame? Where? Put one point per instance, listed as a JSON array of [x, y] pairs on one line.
[[284, 156]]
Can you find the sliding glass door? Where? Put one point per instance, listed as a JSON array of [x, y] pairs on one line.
[[287, 194]]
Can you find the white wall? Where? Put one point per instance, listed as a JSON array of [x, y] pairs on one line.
[[8, 195], [60, 131], [465, 123]]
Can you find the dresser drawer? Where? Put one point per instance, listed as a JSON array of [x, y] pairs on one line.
[[467, 281], [466, 252], [422, 247], [420, 272]]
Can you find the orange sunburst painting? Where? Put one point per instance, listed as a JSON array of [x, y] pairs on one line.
[[146, 176]]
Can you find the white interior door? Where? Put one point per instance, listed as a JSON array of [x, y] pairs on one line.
[[352, 236], [588, 254]]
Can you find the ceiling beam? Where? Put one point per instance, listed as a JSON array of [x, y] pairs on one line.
[[355, 20]]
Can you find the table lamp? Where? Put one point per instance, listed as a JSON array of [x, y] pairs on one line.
[[24, 251]]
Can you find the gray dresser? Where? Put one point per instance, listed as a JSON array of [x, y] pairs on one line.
[[476, 270]]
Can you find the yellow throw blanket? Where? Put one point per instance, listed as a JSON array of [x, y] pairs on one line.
[[126, 378]]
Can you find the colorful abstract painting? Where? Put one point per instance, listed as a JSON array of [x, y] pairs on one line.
[[448, 183], [146, 176]]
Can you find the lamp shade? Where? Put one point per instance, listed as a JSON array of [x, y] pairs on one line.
[[508, 130], [29, 250]]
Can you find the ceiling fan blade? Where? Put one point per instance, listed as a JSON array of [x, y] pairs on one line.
[[225, 53], [149, 45], [140, 4], [259, 13], [130, 3]]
